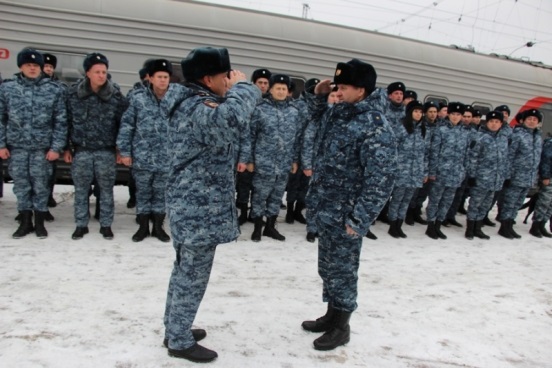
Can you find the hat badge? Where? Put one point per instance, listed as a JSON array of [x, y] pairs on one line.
[[164, 64], [98, 57], [337, 72], [33, 56]]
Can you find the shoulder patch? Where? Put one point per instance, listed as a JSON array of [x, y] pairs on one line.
[[211, 104], [376, 117]]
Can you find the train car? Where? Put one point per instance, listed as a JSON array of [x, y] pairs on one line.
[[130, 31]]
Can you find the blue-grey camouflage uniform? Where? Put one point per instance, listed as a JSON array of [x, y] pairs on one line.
[[298, 183], [422, 193], [94, 120], [33, 121], [488, 165], [543, 207], [354, 173], [143, 136], [275, 138], [524, 157], [447, 163], [203, 132], [412, 169]]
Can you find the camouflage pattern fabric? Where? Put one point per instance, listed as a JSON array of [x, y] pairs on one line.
[[543, 207], [150, 191], [440, 200], [524, 156], [399, 202]]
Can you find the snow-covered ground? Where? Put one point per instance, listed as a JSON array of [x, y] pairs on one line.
[[422, 303]]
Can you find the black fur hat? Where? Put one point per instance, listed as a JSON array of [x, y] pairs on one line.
[[356, 73], [280, 78], [476, 113], [93, 59], [412, 105], [261, 73], [410, 94], [494, 115], [396, 86], [50, 59], [311, 84], [468, 108], [503, 108], [532, 112], [429, 104], [204, 61], [456, 107], [29, 56], [159, 65]]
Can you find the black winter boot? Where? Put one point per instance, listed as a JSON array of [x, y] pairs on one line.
[[51, 201], [290, 216], [370, 235], [535, 229], [431, 232], [470, 229], [487, 222], [393, 229], [321, 324], [157, 230], [438, 230], [452, 221], [505, 229], [383, 214], [399, 228], [256, 236], [40, 230], [311, 237], [297, 214], [48, 217], [270, 229], [543, 230], [242, 219], [79, 233], [25, 224], [18, 217], [198, 334], [512, 231], [338, 335], [478, 233], [409, 220], [106, 232], [195, 353], [418, 216], [143, 230]]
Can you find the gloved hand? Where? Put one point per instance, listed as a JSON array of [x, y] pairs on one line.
[[507, 183], [471, 182]]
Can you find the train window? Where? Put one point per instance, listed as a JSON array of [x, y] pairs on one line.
[[437, 99], [177, 76], [299, 86], [546, 110], [483, 108]]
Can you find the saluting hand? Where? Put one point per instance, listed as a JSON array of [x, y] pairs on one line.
[[235, 76], [324, 87]]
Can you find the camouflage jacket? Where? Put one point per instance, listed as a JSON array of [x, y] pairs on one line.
[[412, 157], [488, 159], [355, 164], [94, 118], [33, 114], [545, 167], [203, 132], [143, 134], [524, 156]]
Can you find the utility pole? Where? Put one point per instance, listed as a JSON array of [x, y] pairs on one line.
[[306, 8]]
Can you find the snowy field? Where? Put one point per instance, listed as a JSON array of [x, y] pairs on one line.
[[422, 303]]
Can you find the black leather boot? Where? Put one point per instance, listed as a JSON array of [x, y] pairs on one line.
[[25, 225], [409, 220], [270, 229], [195, 353], [198, 334], [256, 236], [487, 222], [338, 335], [298, 214], [512, 231], [290, 216], [418, 216], [478, 233], [431, 230], [543, 230], [157, 230], [393, 229], [504, 229], [143, 230], [438, 230], [370, 235], [242, 219], [321, 324], [106, 232], [40, 230], [470, 229], [452, 221], [399, 228], [535, 229], [311, 237], [79, 233]]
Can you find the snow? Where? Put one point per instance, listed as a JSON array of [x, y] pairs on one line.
[[422, 303]]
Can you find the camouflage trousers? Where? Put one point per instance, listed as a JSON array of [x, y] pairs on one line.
[[189, 279], [440, 199], [268, 191], [399, 202], [338, 262], [457, 201], [514, 197], [311, 222], [87, 165], [543, 207], [481, 200], [31, 173], [150, 191]]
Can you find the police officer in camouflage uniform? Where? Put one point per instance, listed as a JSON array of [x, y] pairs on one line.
[[142, 144], [353, 175], [276, 129], [94, 107], [524, 158], [447, 167], [395, 109], [543, 206], [487, 169], [203, 133], [33, 133]]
